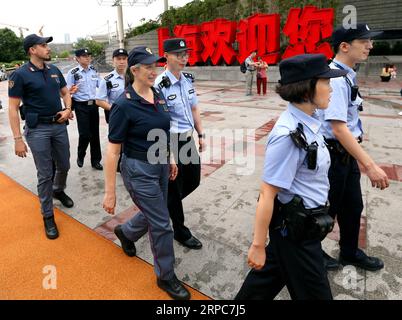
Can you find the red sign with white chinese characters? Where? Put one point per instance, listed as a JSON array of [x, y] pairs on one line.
[[214, 40]]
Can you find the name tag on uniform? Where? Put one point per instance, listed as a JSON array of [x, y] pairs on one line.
[[172, 97], [90, 102], [54, 76]]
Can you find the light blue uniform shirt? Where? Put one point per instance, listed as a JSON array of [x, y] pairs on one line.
[[181, 99], [87, 81], [286, 165], [341, 106], [111, 95]]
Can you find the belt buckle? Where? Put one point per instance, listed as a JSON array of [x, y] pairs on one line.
[[90, 102]]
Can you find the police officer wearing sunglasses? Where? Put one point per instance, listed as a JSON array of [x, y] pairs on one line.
[[139, 123], [294, 191]]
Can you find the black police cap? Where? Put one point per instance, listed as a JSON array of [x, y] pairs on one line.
[[175, 45], [120, 52], [143, 55], [82, 52], [307, 66], [362, 31], [34, 39]]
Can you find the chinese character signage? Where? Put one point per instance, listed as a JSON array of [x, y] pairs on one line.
[[214, 40]]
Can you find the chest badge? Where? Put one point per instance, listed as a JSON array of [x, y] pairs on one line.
[[172, 97]]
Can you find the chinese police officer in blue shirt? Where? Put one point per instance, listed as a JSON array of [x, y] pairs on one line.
[[178, 89], [139, 123], [343, 132], [83, 81], [294, 191], [112, 85], [38, 86]]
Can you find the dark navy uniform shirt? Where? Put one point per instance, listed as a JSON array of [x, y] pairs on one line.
[[132, 120], [39, 89]]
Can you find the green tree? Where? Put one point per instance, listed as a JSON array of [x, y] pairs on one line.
[[94, 47], [11, 46]]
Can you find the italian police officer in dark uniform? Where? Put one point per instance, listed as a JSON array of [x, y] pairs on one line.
[[343, 131], [177, 87], [38, 86], [139, 123], [83, 81], [294, 191]]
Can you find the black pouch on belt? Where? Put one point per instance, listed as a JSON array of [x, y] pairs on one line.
[[306, 224], [31, 120]]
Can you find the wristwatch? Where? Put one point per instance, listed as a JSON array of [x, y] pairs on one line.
[[202, 136]]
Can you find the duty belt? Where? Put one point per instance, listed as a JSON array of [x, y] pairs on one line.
[[48, 119], [86, 103], [335, 147], [143, 156]]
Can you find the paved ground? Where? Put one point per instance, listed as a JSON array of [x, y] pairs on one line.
[[221, 211]]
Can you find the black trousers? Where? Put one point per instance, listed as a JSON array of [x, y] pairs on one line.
[[88, 128], [188, 179], [298, 266], [346, 203]]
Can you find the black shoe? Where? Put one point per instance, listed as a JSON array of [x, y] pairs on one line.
[[97, 166], [64, 199], [174, 288], [80, 162], [192, 243], [51, 228], [363, 261], [127, 245], [329, 262]]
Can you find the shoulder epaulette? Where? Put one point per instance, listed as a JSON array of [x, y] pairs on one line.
[[189, 76], [108, 77], [93, 68]]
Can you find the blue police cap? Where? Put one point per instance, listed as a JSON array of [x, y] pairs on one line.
[[34, 39], [143, 55], [307, 66], [175, 45], [362, 31], [82, 52], [120, 52]]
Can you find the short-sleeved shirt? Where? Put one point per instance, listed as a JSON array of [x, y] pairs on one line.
[[115, 89], [286, 165], [249, 65], [132, 119], [87, 81], [181, 98], [39, 89], [341, 106]]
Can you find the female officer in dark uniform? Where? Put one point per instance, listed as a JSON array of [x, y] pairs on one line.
[[138, 118], [294, 190]]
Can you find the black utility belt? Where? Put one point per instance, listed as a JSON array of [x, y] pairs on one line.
[[337, 149], [85, 103], [33, 119], [143, 156], [301, 224]]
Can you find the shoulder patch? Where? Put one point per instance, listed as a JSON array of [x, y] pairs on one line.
[[75, 70], [189, 76], [11, 84]]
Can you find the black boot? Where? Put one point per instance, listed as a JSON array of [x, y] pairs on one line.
[[127, 245], [51, 228], [174, 288], [64, 199]]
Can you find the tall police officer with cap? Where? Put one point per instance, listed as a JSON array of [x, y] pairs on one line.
[[38, 86], [139, 123], [177, 87], [83, 81], [343, 131], [294, 190]]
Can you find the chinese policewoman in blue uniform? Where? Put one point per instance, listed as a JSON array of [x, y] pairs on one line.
[[294, 190], [137, 116]]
